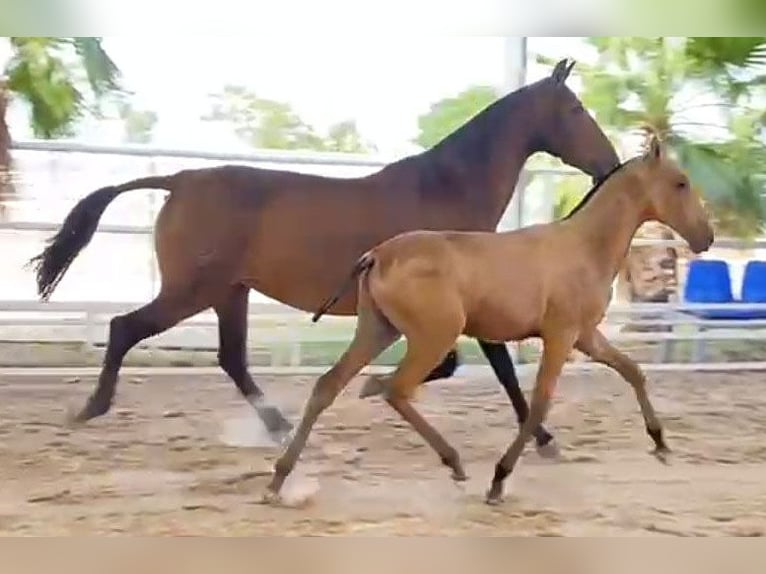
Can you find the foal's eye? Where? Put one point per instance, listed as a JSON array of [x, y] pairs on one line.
[[681, 185]]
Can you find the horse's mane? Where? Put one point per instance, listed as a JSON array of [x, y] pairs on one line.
[[470, 144]]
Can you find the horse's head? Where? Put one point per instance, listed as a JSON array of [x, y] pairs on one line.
[[671, 199], [568, 131]]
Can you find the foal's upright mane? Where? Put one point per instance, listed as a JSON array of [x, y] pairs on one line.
[[592, 191]]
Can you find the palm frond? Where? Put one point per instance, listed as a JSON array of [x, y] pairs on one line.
[[102, 73], [717, 53]]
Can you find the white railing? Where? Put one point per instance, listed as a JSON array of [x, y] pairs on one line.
[[281, 329]]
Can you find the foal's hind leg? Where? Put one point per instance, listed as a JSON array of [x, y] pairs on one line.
[[422, 353], [232, 356], [430, 331], [600, 350], [125, 331], [373, 335], [502, 364]]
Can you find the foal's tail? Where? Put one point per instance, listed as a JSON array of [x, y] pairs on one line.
[[364, 263], [78, 229]]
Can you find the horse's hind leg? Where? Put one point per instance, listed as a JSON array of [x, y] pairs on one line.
[[373, 335], [502, 364], [232, 357], [125, 331]]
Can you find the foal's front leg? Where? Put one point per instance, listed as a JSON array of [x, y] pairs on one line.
[[556, 349], [595, 345]]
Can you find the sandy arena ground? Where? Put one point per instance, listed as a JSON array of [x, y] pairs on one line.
[[159, 464]]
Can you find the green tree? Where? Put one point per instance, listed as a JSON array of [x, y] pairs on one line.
[[345, 137], [59, 80], [568, 194], [448, 114], [138, 124], [266, 123], [711, 56]]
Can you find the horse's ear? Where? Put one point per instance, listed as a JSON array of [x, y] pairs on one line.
[[562, 70], [654, 149]]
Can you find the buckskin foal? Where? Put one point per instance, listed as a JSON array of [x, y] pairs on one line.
[[552, 281]]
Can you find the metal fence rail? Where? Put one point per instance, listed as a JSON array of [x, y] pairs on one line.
[[271, 324]]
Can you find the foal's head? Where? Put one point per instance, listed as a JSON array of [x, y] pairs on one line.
[[671, 198], [569, 132]]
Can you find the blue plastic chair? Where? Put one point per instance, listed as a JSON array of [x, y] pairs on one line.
[[754, 287], [709, 281], [754, 282]]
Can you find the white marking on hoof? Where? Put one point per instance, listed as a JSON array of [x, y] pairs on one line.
[[271, 498], [248, 430], [297, 492]]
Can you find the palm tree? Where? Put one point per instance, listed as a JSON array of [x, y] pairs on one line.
[[60, 80]]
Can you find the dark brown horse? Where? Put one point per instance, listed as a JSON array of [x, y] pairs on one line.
[[225, 230]]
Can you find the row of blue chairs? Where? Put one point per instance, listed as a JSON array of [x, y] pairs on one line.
[[709, 281]]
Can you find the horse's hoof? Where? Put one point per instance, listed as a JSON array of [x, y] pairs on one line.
[[493, 498], [549, 450], [459, 475], [271, 498], [282, 437], [662, 454], [73, 419], [76, 419], [273, 419]]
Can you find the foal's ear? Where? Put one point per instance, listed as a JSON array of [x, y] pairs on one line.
[[562, 70], [654, 150]]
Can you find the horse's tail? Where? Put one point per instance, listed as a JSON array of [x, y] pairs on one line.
[[78, 229], [364, 263]]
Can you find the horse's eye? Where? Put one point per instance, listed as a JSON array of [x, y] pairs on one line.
[[681, 185]]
